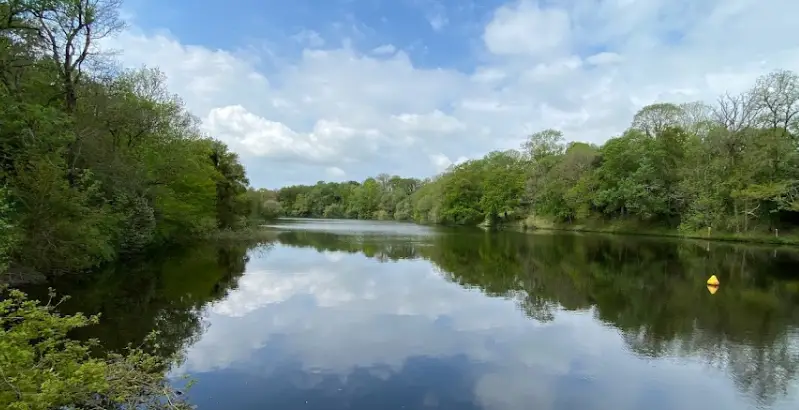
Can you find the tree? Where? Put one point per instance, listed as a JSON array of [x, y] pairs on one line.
[[543, 144], [69, 31], [776, 98], [8, 234], [230, 186], [655, 118], [696, 118], [503, 184], [735, 112]]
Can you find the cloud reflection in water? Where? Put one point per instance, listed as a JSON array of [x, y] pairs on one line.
[[342, 330]]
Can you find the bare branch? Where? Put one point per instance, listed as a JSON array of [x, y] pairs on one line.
[[735, 112], [777, 98], [69, 31]]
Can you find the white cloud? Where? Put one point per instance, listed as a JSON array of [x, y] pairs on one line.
[[335, 172], [438, 21], [523, 28], [435, 12], [326, 143], [435, 122], [584, 67], [309, 38], [488, 75], [384, 49], [604, 58], [442, 162]]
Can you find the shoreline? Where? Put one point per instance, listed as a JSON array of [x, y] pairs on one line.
[[621, 229]]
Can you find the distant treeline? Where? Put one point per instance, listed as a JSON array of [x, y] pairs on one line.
[[98, 162], [731, 167]]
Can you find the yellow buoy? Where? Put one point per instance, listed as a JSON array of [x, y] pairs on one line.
[[713, 281], [712, 289]]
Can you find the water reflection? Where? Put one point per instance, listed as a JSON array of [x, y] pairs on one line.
[[343, 331], [164, 292], [335, 330], [372, 318]]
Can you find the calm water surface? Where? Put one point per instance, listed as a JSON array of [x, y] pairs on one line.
[[380, 315]]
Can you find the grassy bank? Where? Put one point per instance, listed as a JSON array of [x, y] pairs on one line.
[[618, 227], [248, 234], [630, 227]]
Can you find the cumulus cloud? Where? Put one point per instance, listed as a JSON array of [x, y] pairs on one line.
[[326, 143], [441, 162], [524, 28], [583, 67]]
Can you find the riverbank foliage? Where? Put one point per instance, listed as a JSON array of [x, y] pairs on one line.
[[728, 167], [41, 368], [98, 162], [152, 309]]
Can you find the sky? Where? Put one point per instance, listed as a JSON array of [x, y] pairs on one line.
[[337, 90]]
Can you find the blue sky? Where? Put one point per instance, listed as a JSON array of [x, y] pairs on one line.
[[344, 89], [438, 33]]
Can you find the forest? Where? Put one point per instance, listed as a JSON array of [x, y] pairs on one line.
[[99, 162], [690, 168]]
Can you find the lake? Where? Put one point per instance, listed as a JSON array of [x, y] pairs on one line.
[[362, 315]]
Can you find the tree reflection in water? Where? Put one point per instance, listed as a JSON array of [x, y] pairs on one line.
[[651, 290]]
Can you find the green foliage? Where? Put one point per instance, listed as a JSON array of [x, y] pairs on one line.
[[263, 205], [7, 231], [95, 167], [732, 168], [42, 368]]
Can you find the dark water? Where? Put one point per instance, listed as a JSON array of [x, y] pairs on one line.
[[377, 315]]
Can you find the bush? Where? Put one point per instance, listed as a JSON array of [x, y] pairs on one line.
[[42, 368]]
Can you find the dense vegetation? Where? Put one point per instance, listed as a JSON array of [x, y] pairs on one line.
[[732, 167], [98, 162], [41, 368]]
